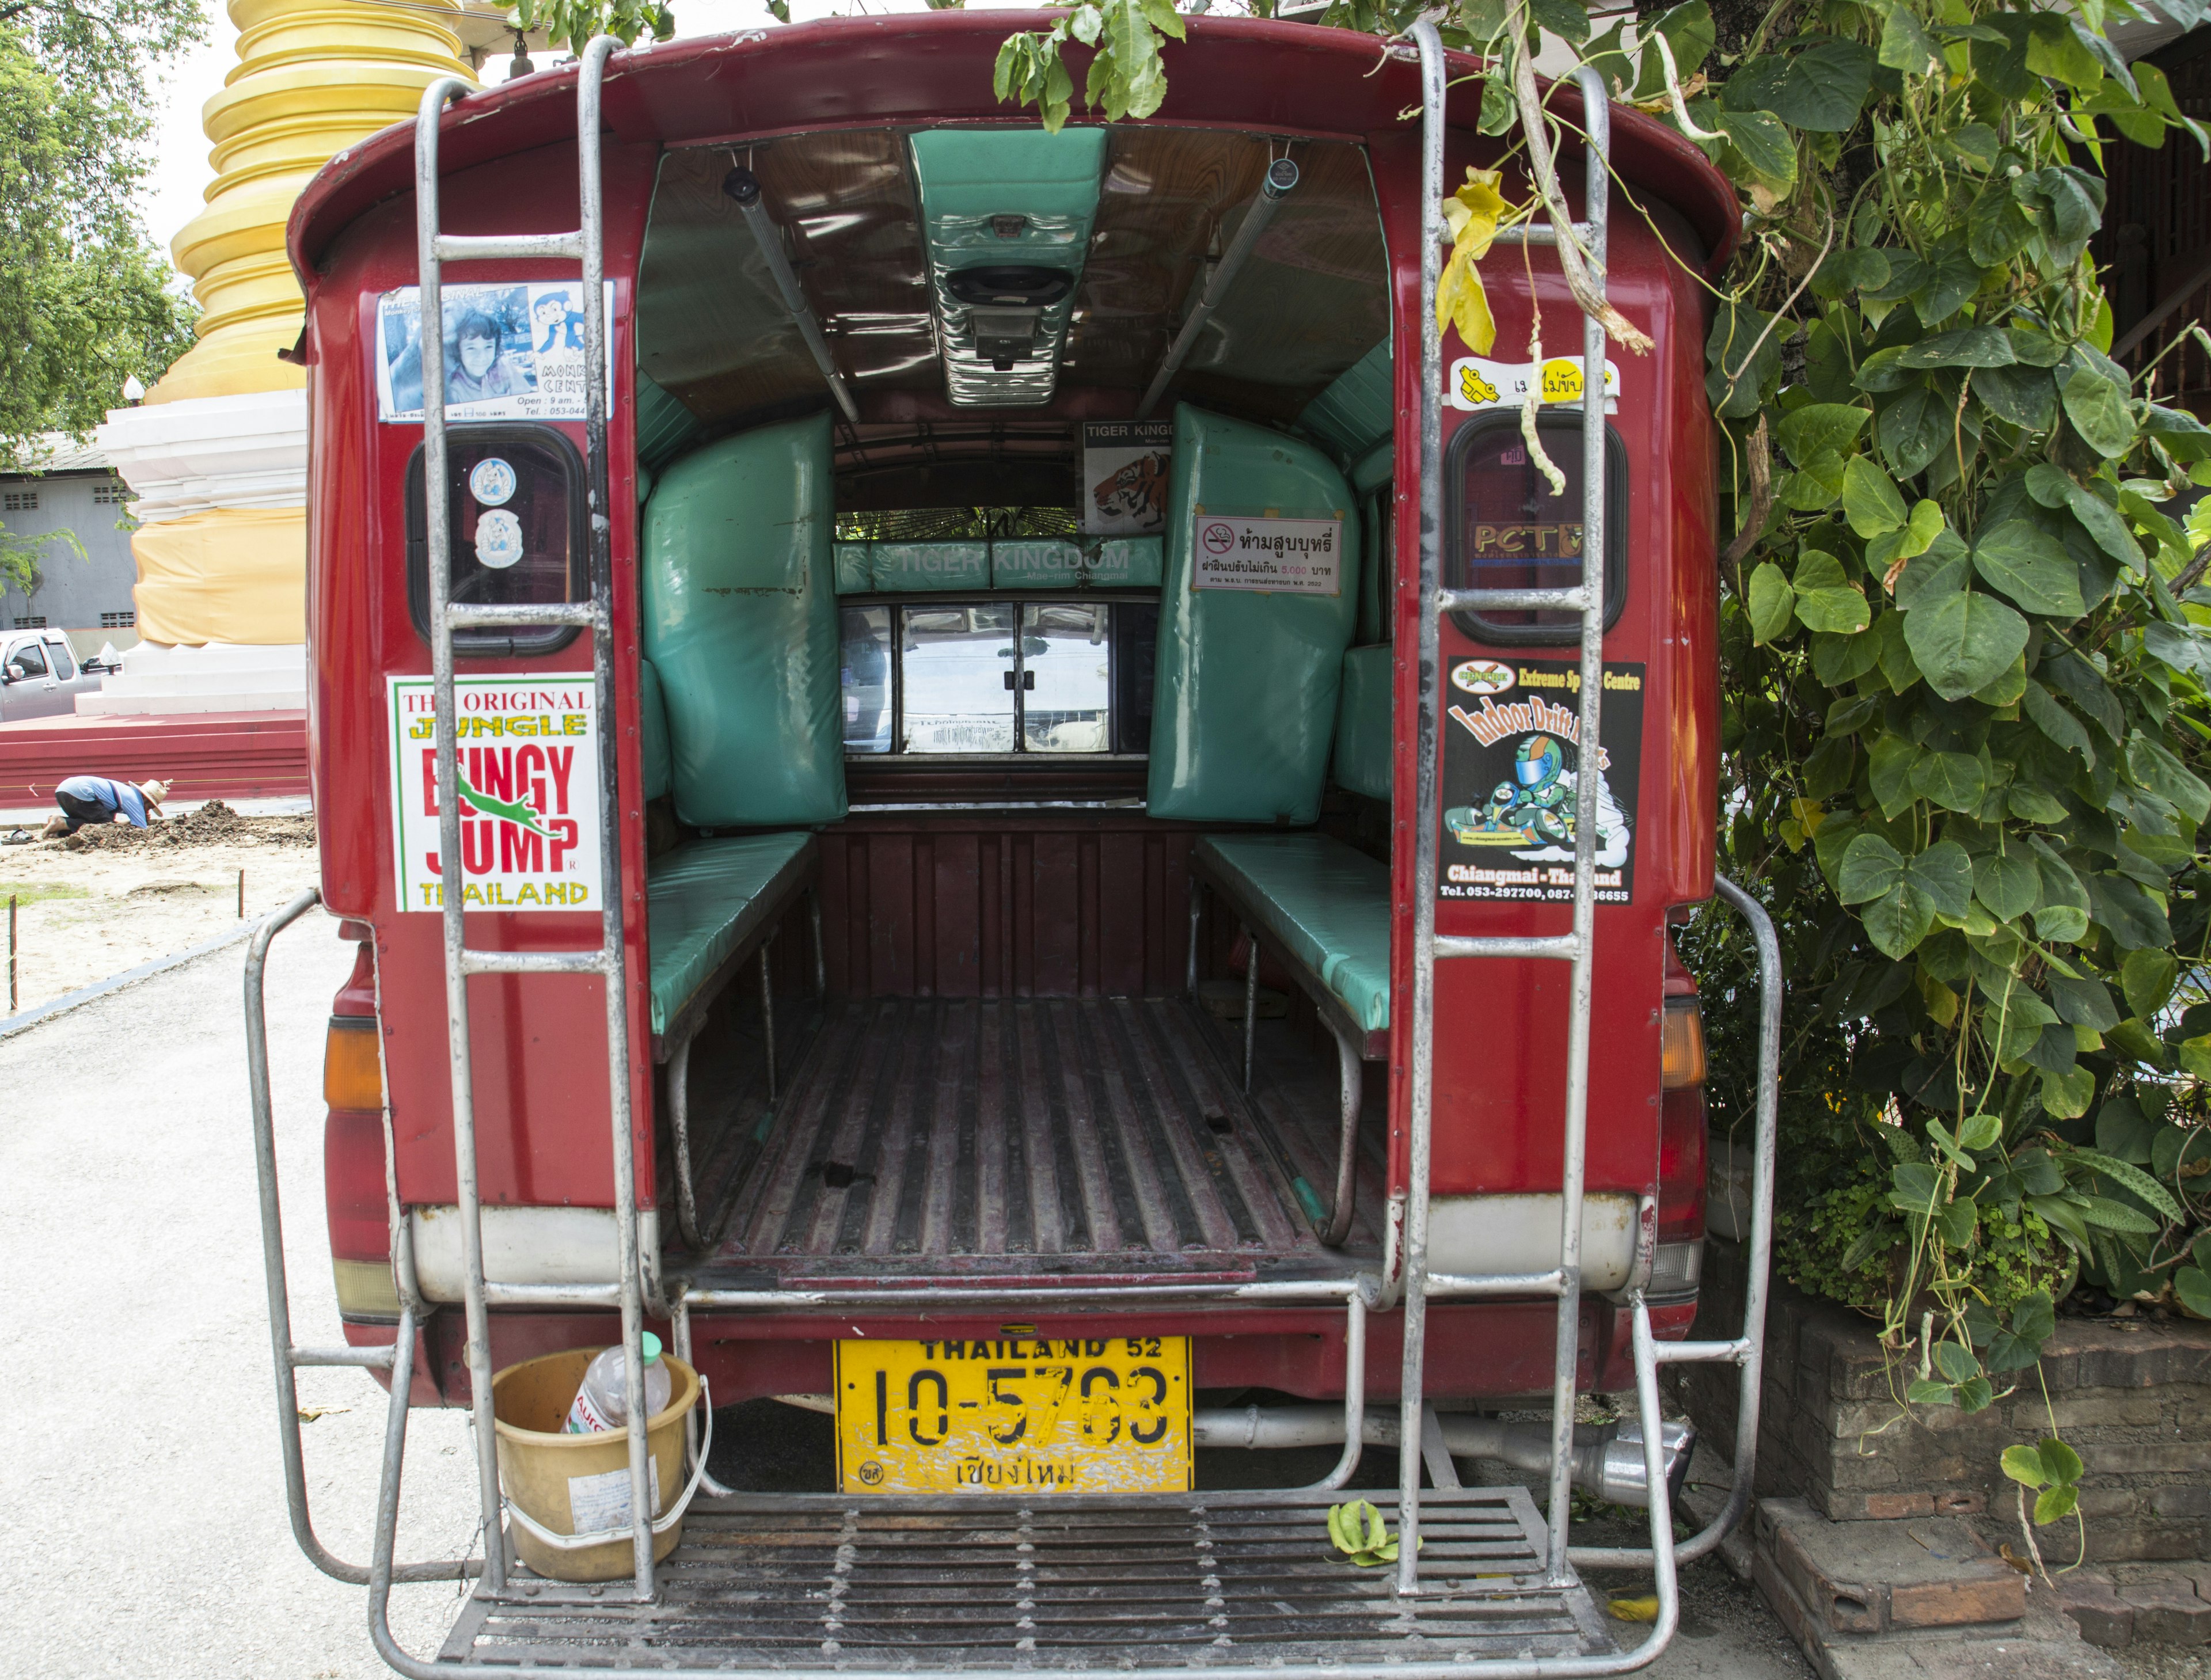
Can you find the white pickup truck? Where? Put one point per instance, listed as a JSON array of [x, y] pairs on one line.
[[40, 676]]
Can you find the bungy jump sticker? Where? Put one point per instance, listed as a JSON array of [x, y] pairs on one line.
[[1511, 777], [528, 759], [1476, 385]]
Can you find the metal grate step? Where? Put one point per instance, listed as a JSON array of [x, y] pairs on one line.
[[1211, 1580]]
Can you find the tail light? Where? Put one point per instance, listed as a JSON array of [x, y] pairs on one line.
[[1679, 1263], [352, 1169], [1682, 1064]]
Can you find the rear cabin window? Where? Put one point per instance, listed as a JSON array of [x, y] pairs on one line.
[[1020, 676], [1508, 532], [516, 499]]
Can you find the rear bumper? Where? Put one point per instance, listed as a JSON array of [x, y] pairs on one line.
[[1492, 1350]]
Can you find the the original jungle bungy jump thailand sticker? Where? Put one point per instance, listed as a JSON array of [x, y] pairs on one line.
[[1512, 765]]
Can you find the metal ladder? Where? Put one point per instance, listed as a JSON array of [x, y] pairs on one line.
[[1412, 1278], [1407, 1276], [585, 246]]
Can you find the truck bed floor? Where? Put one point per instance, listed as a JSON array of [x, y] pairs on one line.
[[966, 1140]]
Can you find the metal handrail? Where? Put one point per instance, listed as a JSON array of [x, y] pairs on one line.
[[1747, 1352], [286, 1355]]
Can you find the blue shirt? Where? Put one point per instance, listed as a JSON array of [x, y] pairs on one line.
[[110, 795]]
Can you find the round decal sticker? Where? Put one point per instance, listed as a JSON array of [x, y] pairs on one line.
[[1218, 538], [1483, 676], [491, 481], [499, 539]]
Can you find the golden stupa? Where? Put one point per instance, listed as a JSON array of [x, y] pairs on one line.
[[313, 77]]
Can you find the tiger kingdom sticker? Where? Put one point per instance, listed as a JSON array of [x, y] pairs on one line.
[[1511, 771]]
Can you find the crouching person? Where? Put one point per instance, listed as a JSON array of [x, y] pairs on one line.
[[99, 799]]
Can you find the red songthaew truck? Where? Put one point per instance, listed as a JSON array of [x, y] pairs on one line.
[[1066, 853]]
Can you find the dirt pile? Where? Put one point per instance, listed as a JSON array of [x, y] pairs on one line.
[[214, 823]]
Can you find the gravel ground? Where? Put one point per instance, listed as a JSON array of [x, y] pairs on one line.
[[110, 899]]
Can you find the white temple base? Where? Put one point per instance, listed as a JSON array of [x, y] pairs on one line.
[[157, 679]]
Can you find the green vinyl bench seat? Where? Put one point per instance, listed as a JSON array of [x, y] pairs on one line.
[[1322, 905], [1324, 909], [708, 905]]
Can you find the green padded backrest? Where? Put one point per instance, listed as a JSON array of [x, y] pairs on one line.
[[653, 731], [1362, 722], [1244, 706], [741, 623]]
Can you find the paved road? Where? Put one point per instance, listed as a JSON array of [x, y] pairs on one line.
[[142, 1484], [142, 1481]]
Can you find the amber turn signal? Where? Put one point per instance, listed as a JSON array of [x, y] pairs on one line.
[[353, 1069], [1683, 1061]]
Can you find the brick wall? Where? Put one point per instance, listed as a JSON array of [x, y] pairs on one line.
[[2134, 1399]]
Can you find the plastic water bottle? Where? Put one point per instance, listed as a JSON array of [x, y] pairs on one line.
[[600, 1403]]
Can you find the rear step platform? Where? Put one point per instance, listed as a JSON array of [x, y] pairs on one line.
[[950, 1582]]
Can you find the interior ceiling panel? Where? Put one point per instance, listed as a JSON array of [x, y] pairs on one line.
[[1313, 300], [711, 328]]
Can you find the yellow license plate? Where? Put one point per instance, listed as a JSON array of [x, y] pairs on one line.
[[1032, 1415]]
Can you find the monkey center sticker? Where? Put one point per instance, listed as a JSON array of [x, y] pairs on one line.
[[1512, 769], [528, 785]]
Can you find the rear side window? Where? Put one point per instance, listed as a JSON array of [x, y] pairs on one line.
[[1506, 530], [516, 496]]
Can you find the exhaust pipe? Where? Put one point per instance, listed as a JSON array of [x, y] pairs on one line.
[[1608, 1456]]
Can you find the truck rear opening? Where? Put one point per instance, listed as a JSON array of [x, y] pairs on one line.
[[970, 773]]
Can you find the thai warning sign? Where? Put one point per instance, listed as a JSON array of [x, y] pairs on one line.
[[1236, 551], [1512, 767], [529, 783]]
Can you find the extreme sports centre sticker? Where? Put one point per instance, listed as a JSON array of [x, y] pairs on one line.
[[1511, 768], [529, 783]]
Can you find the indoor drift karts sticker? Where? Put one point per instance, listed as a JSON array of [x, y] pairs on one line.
[[529, 762], [1512, 763]]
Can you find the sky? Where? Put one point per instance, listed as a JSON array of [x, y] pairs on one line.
[[178, 186]]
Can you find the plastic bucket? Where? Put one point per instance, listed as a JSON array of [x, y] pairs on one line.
[[552, 1476]]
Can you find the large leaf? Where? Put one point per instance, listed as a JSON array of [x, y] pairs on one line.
[[1905, 45], [1951, 780], [1825, 599], [1819, 428], [1898, 921], [2059, 725], [1826, 84], [1871, 501], [2097, 408], [2007, 883], [1945, 874], [1967, 347], [1771, 602], [1763, 145], [1914, 427], [1871, 868], [1964, 642], [2026, 397], [2031, 567]]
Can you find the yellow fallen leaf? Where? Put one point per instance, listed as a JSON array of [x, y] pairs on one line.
[[309, 1414], [1471, 214], [1644, 1608]]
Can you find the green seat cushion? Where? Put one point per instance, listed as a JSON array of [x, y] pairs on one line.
[[704, 900], [1326, 904]]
